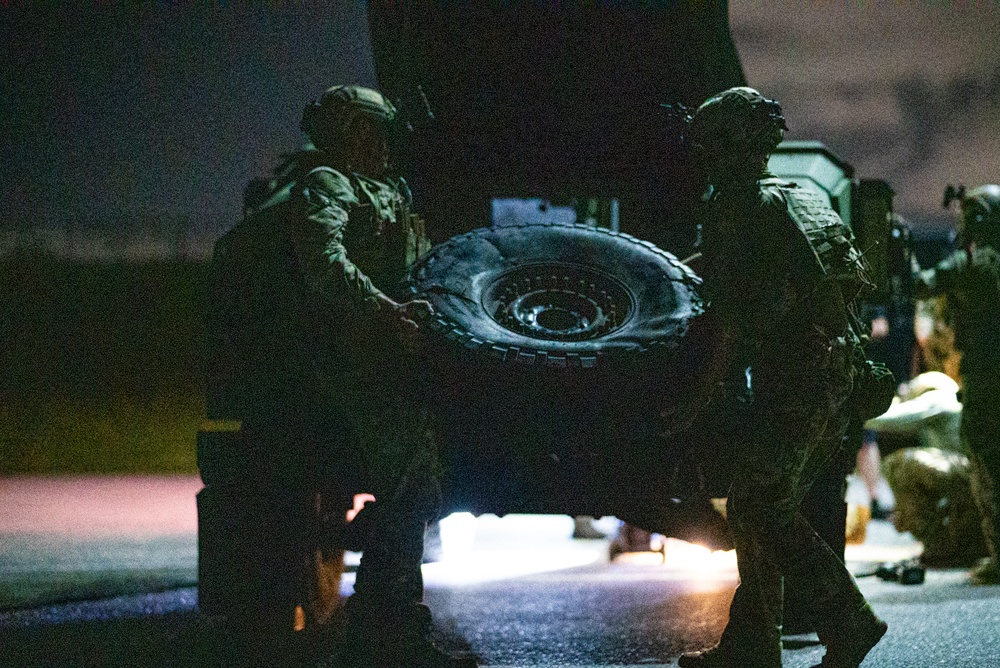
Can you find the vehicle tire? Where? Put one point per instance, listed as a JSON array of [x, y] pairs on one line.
[[556, 295], [551, 352]]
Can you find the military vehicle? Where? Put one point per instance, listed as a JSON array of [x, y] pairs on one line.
[[568, 340], [566, 105]]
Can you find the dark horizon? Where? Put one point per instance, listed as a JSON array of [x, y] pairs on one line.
[[122, 120]]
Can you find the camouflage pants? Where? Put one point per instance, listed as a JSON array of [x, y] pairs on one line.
[[385, 447], [980, 433], [797, 428], [395, 439]]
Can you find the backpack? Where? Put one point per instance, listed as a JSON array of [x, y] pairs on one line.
[[839, 260]]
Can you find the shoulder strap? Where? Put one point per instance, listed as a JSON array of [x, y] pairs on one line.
[[830, 239]]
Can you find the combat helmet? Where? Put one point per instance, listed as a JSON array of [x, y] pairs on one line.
[[981, 215], [326, 121], [736, 122]]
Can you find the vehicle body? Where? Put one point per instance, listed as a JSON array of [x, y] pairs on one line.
[[564, 106], [586, 440]]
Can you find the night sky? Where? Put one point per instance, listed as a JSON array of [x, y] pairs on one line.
[[908, 92], [128, 121]]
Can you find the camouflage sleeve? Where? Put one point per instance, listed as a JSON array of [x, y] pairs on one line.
[[781, 258], [939, 279], [323, 200]]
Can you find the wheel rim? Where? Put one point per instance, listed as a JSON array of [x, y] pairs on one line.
[[558, 302]]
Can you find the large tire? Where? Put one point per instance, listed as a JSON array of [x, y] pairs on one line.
[[556, 295], [551, 352]]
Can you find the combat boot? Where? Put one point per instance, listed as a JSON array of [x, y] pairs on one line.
[[387, 638], [985, 573], [850, 649]]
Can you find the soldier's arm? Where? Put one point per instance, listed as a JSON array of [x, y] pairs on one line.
[[322, 202], [682, 409], [937, 280], [781, 255]]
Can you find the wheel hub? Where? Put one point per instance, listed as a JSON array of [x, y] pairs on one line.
[[558, 302]]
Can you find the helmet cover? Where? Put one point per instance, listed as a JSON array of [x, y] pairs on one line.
[[981, 214], [327, 121], [736, 122]]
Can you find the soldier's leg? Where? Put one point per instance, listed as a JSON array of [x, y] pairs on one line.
[[798, 427], [980, 432], [772, 535], [752, 636], [842, 617], [387, 625], [389, 574], [401, 470], [738, 647], [754, 628], [825, 508]]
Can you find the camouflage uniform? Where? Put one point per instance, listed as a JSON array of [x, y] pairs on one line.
[[790, 323], [970, 279], [321, 380], [346, 223], [780, 271]]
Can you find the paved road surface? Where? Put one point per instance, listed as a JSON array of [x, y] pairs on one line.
[[515, 591], [74, 537]]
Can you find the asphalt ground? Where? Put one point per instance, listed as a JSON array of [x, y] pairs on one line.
[[516, 591]]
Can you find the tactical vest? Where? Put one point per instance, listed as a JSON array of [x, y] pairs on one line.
[[264, 322], [383, 237], [831, 243], [837, 259]]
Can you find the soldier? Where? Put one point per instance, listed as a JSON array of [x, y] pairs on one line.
[[970, 281], [313, 356], [780, 272]]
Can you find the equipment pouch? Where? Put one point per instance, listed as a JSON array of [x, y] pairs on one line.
[[874, 388]]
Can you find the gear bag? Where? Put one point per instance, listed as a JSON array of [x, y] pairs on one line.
[[874, 388], [839, 260]]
